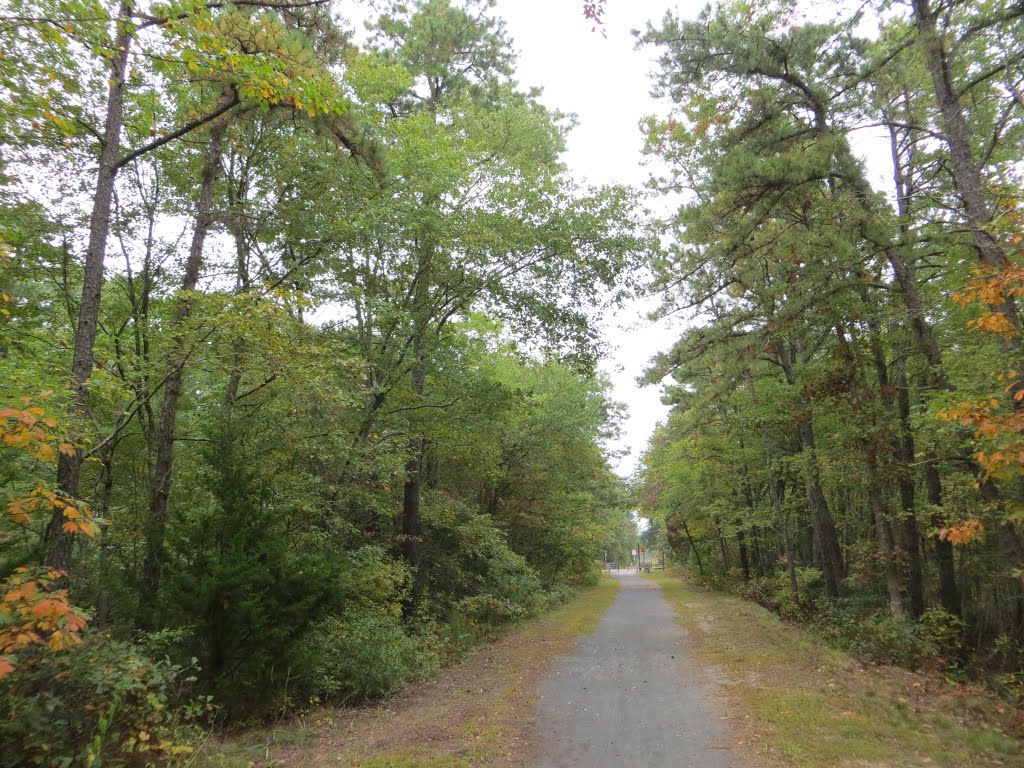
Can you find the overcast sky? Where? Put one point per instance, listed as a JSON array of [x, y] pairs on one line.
[[606, 83]]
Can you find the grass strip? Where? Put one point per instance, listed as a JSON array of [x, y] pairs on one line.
[[800, 704]]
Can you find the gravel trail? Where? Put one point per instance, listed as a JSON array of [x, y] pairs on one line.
[[631, 696]]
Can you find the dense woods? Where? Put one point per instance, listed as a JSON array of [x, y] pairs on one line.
[[845, 435], [300, 330], [297, 341]]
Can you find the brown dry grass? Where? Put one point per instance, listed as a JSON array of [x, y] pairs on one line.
[[477, 712]]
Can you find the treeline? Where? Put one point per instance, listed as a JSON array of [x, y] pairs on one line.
[[845, 435], [296, 361]]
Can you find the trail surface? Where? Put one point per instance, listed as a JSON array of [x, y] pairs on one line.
[[631, 696]]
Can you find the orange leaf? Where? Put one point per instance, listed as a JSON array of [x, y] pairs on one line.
[[963, 533]]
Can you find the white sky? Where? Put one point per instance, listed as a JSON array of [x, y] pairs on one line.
[[606, 83]]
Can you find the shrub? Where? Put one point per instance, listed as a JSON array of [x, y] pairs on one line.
[[102, 703], [775, 592], [863, 627], [943, 630], [362, 656], [894, 641]]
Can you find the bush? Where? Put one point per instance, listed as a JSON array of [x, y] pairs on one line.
[[863, 627], [894, 641], [943, 630], [473, 574], [102, 703], [775, 592], [363, 656]]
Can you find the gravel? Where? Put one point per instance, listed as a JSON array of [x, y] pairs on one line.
[[632, 695]]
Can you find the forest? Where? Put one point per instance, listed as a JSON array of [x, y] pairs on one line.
[[301, 325], [298, 362], [845, 442]]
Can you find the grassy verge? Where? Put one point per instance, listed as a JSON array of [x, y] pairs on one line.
[[805, 705], [477, 712]]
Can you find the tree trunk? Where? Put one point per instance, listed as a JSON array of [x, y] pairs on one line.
[[693, 547], [966, 172], [883, 534], [905, 481], [412, 526], [911, 534], [787, 545], [58, 541], [164, 464], [949, 592], [102, 618], [825, 539], [744, 559]]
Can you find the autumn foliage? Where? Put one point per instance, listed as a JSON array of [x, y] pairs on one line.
[[34, 612], [34, 608]]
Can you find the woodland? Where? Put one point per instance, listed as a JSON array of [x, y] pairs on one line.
[[300, 327], [297, 357], [845, 443]]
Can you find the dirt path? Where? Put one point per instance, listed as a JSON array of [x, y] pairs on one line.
[[631, 694]]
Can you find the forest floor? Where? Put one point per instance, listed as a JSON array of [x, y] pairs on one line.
[[783, 699]]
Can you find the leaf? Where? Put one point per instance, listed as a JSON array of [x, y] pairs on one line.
[[964, 533]]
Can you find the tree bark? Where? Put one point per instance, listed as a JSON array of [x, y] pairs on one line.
[[823, 530], [904, 445], [965, 170], [949, 592], [883, 535], [164, 463], [693, 547], [775, 492], [69, 467], [744, 558], [412, 524]]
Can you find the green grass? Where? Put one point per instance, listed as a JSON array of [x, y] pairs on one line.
[[805, 705]]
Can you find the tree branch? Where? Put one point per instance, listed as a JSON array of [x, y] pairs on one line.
[[187, 128]]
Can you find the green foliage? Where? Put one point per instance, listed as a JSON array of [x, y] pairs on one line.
[[878, 637], [774, 592], [362, 655], [399, 282], [803, 436], [102, 703], [470, 567]]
